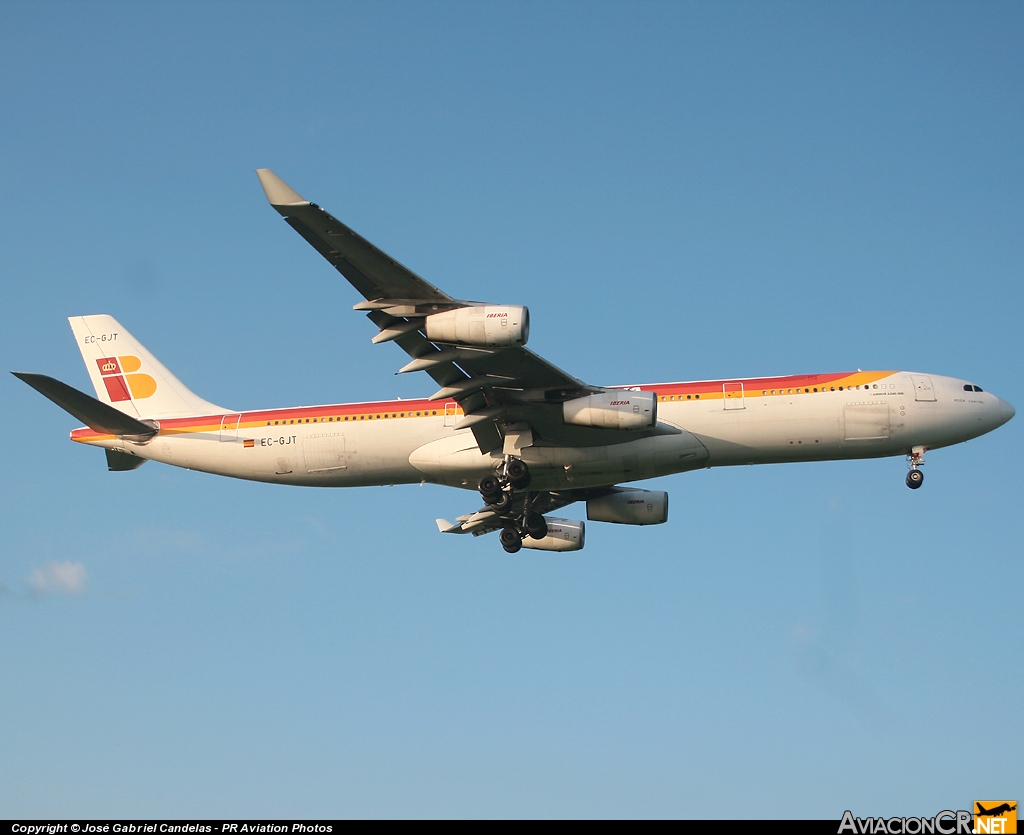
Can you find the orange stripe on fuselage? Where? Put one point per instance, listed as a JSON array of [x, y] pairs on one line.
[[406, 409], [755, 386], [331, 414]]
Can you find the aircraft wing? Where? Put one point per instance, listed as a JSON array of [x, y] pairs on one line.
[[373, 273], [496, 387]]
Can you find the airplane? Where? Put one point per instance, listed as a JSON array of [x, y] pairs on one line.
[[529, 437], [995, 811]]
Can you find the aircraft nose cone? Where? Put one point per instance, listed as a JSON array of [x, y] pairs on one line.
[[1008, 410]]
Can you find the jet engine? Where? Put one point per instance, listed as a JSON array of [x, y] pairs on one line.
[[613, 410], [563, 535], [630, 507], [483, 326]]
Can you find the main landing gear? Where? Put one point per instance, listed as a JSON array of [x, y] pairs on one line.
[[497, 492], [915, 478]]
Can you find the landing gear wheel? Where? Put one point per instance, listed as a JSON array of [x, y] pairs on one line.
[[500, 503], [518, 474], [510, 540], [535, 525], [489, 487], [915, 478]]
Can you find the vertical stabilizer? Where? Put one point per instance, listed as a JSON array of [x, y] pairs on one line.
[[128, 377]]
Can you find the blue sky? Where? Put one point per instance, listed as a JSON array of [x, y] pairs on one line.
[[678, 191]]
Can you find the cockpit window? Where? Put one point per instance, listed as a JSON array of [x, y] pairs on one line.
[[978, 388], [968, 387]]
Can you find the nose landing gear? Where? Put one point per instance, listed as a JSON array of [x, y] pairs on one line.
[[915, 478]]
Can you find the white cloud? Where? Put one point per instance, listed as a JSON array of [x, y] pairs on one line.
[[58, 578]]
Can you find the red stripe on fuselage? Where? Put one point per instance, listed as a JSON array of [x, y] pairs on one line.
[[436, 408]]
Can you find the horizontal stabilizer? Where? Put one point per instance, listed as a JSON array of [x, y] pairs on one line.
[[119, 462], [94, 414]]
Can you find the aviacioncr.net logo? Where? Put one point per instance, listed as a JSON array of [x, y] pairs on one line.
[[998, 817], [945, 822]]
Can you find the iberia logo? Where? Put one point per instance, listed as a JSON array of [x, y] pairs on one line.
[[998, 816], [121, 381]]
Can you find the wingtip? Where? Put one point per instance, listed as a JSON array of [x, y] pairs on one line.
[[278, 192], [443, 525]]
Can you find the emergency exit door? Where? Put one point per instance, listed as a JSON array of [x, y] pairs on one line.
[[732, 394], [229, 427], [923, 389]]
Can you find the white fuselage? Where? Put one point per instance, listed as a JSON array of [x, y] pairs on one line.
[[704, 424]]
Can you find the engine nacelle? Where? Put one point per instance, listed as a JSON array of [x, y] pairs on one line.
[[483, 326], [563, 535], [613, 410], [630, 507]]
